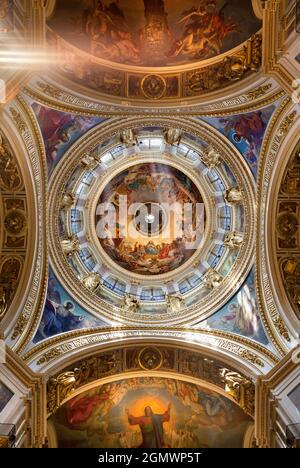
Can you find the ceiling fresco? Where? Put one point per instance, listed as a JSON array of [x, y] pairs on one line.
[[61, 313], [60, 130], [246, 132], [156, 243], [150, 412], [154, 32], [241, 314]]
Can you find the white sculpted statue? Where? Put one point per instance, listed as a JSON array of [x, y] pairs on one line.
[[233, 240], [131, 304], [174, 303], [233, 196], [92, 281], [212, 279]]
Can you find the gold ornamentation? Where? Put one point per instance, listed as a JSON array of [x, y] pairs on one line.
[[15, 222], [279, 324], [70, 245], [58, 389], [50, 90], [49, 355], [10, 271], [172, 136], [153, 86], [211, 157], [128, 137], [174, 303], [4, 442], [291, 183], [287, 225], [287, 123], [212, 279], [150, 358], [18, 120], [252, 357], [20, 326], [131, 304], [233, 240], [261, 91], [232, 68], [88, 370], [92, 281], [89, 161], [242, 390], [3, 302], [67, 200], [10, 177], [233, 196]]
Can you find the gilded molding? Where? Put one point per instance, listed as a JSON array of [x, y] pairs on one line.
[[272, 142], [182, 361], [66, 344], [81, 106], [28, 129]]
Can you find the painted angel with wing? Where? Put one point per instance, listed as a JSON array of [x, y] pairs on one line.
[[243, 314], [204, 31]]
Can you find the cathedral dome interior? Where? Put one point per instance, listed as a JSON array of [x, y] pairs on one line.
[[150, 224]]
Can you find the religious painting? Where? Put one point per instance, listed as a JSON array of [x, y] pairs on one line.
[[60, 130], [61, 313], [241, 314], [154, 32], [150, 412], [246, 132], [150, 239], [5, 396]]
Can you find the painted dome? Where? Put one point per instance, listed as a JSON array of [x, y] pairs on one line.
[[154, 33], [141, 223]]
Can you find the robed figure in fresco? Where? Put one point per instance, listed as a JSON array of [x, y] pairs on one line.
[[151, 426]]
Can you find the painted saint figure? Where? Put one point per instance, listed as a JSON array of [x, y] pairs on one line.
[[151, 425]]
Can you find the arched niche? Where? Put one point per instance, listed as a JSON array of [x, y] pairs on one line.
[[190, 413]]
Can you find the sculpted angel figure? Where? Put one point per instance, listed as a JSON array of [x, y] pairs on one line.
[[131, 304]]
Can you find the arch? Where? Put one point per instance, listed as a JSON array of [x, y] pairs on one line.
[[22, 201], [283, 158]]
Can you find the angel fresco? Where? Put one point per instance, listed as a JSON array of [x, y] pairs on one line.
[[204, 31], [241, 314], [109, 34], [59, 315], [248, 129], [58, 130]]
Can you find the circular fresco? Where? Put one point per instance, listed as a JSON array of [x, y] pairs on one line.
[[150, 219]]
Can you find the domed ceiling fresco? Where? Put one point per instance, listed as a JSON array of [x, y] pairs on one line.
[[157, 240], [154, 32]]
